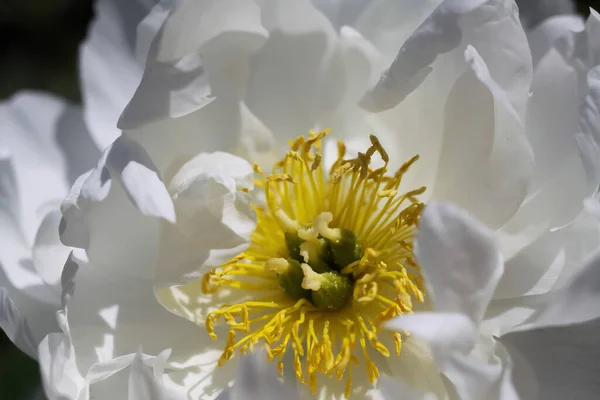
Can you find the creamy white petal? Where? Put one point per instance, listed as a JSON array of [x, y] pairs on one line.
[[129, 162], [29, 135], [214, 217], [560, 362], [48, 253], [170, 143], [543, 36], [111, 314], [297, 76], [485, 163], [588, 140], [256, 379], [388, 23], [126, 163], [460, 259], [109, 71], [474, 379], [454, 25], [341, 12], [26, 297], [167, 89], [533, 12], [194, 24], [533, 238], [15, 326], [394, 388], [142, 382], [446, 333], [578, 301], [427, 67]]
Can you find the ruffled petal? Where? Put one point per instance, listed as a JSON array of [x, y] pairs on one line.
[[127, 163], [428, 66], [199, 52], [556, 363], [341, 12], [167, 89], [446, 333], [388, 23], [532, 12], [454, 25], [297, 76], [460, 259], [111, 313], [485, 163], [257, 380], [15, 326], [193, 25], [48, 253], [214, 217], [543, 36], [29, 136], [578, 301], [110, 72]]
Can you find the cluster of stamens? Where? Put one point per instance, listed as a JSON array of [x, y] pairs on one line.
[[330, 261]]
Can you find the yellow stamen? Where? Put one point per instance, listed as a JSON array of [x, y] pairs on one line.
[[308, 219]]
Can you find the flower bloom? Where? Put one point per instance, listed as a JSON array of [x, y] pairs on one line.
[[340, 261]]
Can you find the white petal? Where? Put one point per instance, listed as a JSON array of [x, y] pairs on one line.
[[214, 217], [533, 12], [563, 361], [388, 23], [195, 24], [415, 366], [578, 301], [454, 25], [109, 315], [58, 367], [460, 259], [257, 379], [25, 295], [29, 135], [109, 71], [297, 76], [446, 333], [486, 163], [168, 89], [129, 162], [172, 142], [48, 253], [142, 383], [362, 63], [395, 388], [474, 379], [15, 326], [589, 123], [543, 36], [341, 12]]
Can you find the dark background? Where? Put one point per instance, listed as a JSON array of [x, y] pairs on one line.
[[39, 41]]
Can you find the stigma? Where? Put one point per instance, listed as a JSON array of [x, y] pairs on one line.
[[331, 259]]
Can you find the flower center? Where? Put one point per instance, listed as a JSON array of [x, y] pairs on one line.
[[331, 260]]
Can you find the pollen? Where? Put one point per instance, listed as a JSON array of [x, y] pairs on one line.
[[331, 259]]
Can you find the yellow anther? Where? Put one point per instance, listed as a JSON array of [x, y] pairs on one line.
[[280, 178], [398, 342], [375, 142]]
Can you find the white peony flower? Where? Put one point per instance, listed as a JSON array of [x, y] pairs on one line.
[[165, 214]]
